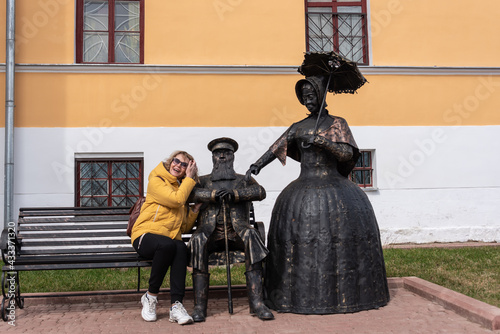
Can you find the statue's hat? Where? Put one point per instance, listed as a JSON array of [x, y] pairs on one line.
[[317, 82], [223, 143]]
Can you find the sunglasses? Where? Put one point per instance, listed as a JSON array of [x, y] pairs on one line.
[[178, 162]]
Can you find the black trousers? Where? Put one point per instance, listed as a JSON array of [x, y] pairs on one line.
[[165, 253]]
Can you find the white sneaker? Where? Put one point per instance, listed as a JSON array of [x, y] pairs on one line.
[[179, 314], [148, 308]]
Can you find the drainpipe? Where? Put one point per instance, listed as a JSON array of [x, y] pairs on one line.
[[9, 115]]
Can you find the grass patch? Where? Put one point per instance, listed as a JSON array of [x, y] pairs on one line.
[[111, 279], [473, 271]]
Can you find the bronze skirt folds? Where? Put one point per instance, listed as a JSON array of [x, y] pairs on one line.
[[325, 250]]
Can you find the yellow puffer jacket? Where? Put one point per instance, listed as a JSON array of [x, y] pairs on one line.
[[165, 211]]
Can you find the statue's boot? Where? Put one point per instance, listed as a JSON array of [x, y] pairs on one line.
[[200, 287], [255, 295]]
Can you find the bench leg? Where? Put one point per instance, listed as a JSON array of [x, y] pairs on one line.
[[11, 293], [5, 304], [138, 279], [19, 299]]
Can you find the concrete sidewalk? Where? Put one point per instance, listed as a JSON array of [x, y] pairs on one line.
[[416, 306]]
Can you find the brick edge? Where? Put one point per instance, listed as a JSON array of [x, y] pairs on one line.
[[472, 309]]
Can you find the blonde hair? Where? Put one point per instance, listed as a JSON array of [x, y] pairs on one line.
[[168, 161]]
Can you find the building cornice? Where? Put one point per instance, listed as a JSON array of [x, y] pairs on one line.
[[242, 69]]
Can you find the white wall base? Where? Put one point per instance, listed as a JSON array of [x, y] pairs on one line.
[[433, 184]]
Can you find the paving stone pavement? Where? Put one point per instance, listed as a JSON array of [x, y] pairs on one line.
[[407, 312]]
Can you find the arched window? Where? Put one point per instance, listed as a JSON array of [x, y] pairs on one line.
[[110, 31]]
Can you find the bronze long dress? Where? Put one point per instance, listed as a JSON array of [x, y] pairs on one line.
[[325, 254]]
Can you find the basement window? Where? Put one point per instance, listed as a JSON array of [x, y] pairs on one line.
[[102, 182]]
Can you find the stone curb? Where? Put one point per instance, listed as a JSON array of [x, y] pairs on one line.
[[442, 245], [119, 296], [474, 310]]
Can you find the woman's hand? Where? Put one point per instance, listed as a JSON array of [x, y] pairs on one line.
[[191, 169]]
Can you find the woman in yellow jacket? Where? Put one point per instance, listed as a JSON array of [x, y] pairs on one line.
[[156, 235]]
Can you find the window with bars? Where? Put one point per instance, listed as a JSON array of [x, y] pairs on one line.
[[110, 31], [362, 173], [102, 182], [338, 25]]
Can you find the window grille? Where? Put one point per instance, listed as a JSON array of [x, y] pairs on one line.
[[338, 26], [101, 182], [110, 31], [362, 173]]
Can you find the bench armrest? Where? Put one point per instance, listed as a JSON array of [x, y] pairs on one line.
[[7, 238], [259, 226], [4, 239]]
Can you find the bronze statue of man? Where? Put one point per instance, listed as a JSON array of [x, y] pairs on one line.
[[225, 187]]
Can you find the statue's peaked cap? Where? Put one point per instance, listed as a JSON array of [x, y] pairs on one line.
[[223, 143]]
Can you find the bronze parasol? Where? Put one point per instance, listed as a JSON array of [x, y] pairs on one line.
[[343, 75]]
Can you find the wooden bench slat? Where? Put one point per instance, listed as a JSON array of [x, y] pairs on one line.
[[72, 234], [74, 242], [77, 250], [66, 233], [28, 215], [76, 211], [76, 219], [122, 226], [32, 267], [80, 258]]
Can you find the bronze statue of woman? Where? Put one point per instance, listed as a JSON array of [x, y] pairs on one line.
[[324, 242]]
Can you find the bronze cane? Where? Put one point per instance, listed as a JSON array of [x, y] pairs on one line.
[[228, 266]]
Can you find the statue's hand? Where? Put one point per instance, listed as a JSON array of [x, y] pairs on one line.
[[254, 169], [308, 139], [226, 194]]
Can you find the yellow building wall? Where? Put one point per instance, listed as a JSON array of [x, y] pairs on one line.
[[2, 33], [237, 32], [45, 32], [181, 100], [228, 32], [435, 33], [258, 32]]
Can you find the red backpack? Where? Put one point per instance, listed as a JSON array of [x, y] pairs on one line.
[[134, 213]]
